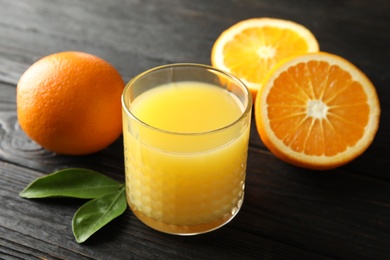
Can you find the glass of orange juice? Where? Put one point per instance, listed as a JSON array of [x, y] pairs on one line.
[[186, 132]]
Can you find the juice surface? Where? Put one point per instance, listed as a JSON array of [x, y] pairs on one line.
[[187, 107], [181, 183]]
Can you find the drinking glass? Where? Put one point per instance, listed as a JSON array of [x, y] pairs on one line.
[[185, 177]]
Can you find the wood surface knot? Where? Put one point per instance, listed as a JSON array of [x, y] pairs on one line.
[[14, 142]]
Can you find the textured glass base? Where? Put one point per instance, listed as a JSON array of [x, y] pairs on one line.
[[187, 230]]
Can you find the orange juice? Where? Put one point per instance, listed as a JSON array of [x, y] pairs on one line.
[[185, 157]]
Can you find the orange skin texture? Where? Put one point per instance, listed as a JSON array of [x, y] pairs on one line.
[[70, 103]]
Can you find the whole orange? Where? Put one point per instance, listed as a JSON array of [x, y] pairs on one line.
[[70, 103]]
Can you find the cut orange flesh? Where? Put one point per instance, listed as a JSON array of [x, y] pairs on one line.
[[317, 111], [251, 48]]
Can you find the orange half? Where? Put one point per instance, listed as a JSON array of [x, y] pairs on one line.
[[251, 48], [317, 111]]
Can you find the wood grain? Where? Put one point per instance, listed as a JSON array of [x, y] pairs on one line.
[[288, 213]]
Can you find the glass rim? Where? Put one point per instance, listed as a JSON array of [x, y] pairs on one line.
[[244, 113]]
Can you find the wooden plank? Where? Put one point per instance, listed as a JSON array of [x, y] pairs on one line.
[[281, 209], [288, 212], [45, 229], [316, 208], [135, 36]]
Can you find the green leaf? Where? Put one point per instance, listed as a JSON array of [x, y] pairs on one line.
[[96, 213], [109, 199], [71, 182]]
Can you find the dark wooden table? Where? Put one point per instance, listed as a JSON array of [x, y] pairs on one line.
[[288, 212]]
